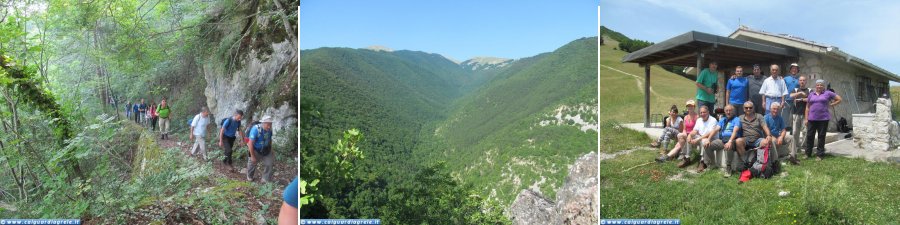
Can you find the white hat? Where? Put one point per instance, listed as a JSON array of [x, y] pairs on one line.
[[795, 64], [266, 119]]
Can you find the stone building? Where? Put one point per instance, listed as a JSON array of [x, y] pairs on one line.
[[857, 81]]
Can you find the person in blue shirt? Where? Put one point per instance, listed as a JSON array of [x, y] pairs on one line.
[[260, 146], [288, 213], [791, 81], [736, 90], [230, 131], [135, 110], [777, 135], [728, 130]]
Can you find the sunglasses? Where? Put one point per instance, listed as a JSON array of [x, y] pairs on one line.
[[748, 107]]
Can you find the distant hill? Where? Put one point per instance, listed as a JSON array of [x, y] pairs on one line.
[[485, 63]]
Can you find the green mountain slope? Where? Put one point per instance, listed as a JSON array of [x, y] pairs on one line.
[[505, 137], [622, 87]]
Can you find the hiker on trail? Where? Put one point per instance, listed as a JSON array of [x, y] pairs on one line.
[[728, 130], [164, 113], [136, 112], [798, 129], [260, 145], [703, 131], [778, 135], [754, 129], [689, 121], [736, 90], [773, 89], [791, 81], [154, 115], [706, 82], [673, 127], [754, 83], [142, 110], [198, 132], [230, 131], [128, 110], [817, 117]]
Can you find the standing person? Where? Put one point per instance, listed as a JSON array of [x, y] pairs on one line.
[[128, 110], [154, 115], [142, 110], [689, 121], [778, 134], [706, 82], [673, 127], [736, 90], [198, 132], [703, 135], [728, 130], [817, 117], [791, 81], [260, 146], [754, 83], [773, 89], [164, 113], [798, 130], [136, 112], [230, 131]]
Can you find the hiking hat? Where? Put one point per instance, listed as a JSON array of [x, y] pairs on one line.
[[266, 119], [794, 64], [690, 103]]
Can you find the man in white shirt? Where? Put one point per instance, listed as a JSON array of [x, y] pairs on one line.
[[198, 132], [773, 89], [703, 135]]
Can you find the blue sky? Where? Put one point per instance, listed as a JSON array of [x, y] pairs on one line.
[[866, 29], [456, 29]]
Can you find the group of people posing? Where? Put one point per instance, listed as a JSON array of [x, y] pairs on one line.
[[258, 137], [759, 113]]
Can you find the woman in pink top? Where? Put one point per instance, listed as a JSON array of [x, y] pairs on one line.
[[689, 120]]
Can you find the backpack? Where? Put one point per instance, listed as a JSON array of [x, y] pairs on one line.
[[842, 126], [247, 131], [262, 151]]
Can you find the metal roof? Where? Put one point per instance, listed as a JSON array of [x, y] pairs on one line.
[[682, 50]]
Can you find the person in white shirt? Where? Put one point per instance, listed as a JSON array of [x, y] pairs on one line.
[[198, 132], [703, 133], [773, 89]]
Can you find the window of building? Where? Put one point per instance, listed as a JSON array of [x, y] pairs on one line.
[[862, 93]]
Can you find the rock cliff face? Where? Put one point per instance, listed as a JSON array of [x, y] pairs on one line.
[[251, 87], [576, 199], [251, 65]]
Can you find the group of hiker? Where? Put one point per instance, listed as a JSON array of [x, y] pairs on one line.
[[759, 113], [257, 137]]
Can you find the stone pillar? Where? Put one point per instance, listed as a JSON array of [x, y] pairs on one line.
[[881, 132]]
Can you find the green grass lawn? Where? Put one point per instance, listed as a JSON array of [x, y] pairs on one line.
[[621, 97], [834, 191]]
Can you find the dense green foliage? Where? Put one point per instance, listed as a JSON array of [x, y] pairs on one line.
[[68, 69]]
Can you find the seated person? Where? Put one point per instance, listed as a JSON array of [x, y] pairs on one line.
[[782, 142], [673, 126], [728, 130]]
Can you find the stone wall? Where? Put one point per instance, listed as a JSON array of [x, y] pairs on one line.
[[843, 78], [881, 133]]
